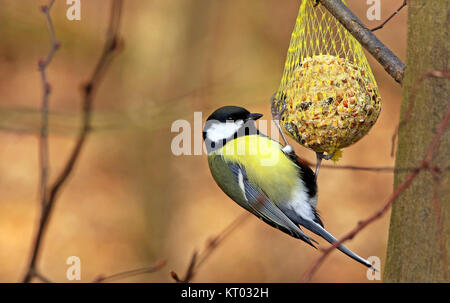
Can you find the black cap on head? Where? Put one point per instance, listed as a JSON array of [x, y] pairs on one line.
[[232, 113], [226, 123]]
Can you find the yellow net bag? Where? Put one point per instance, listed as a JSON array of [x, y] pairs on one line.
[[328, 91]]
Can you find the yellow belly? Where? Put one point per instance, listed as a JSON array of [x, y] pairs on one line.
[[265, 163]]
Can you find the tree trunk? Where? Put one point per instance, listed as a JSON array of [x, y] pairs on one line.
[[418, 247]]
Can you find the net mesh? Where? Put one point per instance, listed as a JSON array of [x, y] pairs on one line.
[[328, 91]]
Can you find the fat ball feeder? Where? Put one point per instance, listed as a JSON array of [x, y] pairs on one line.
[[328, 98]]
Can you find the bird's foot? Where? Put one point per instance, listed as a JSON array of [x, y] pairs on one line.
[[276, 115], [320, 156], [329, 156]]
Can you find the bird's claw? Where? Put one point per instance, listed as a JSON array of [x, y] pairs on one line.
[[320, 157], [276, 114], [327, 157]]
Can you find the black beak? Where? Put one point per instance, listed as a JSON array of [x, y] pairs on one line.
[[255, 116]]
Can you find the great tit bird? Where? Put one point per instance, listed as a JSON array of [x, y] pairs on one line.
[[264, 177]]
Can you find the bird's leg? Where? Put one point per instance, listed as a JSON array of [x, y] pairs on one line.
[[320, 156], [276, 118], [287, 149], [318, 163]]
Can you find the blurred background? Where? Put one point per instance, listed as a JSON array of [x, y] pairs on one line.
[[130, 202]]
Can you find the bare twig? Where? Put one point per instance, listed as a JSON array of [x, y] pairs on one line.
[[41, 277], [189, 275], [361, 168], [131, 273], [108, 51], [391, 63], [390, 17], [385, 169], [198, 259], [43, 138], [404, 185], [412, 100]]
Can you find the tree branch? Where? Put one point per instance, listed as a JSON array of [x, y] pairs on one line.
[[43, 137], [390, 17], [42, 277], [385, 169], [131, 273], [391, 63], [198, 259], [108, 51]]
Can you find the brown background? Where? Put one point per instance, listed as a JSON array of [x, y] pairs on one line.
[[130, 202]]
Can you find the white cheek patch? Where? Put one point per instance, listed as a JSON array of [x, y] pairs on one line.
[[219, 131]]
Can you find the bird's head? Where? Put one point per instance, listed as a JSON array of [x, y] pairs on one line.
[[229, 122]]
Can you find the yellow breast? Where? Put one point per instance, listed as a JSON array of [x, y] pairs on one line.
[[265, 163]]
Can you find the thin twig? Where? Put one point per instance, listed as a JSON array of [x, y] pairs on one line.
[[41, 277], [190, 271], [198, 259], [391, 63], [384, 169], [361, 168], [399, 190], [131, 273], [108, 51], [390, 17], [43, 138]]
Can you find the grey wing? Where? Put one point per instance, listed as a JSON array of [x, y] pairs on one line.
[[260, 205]]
